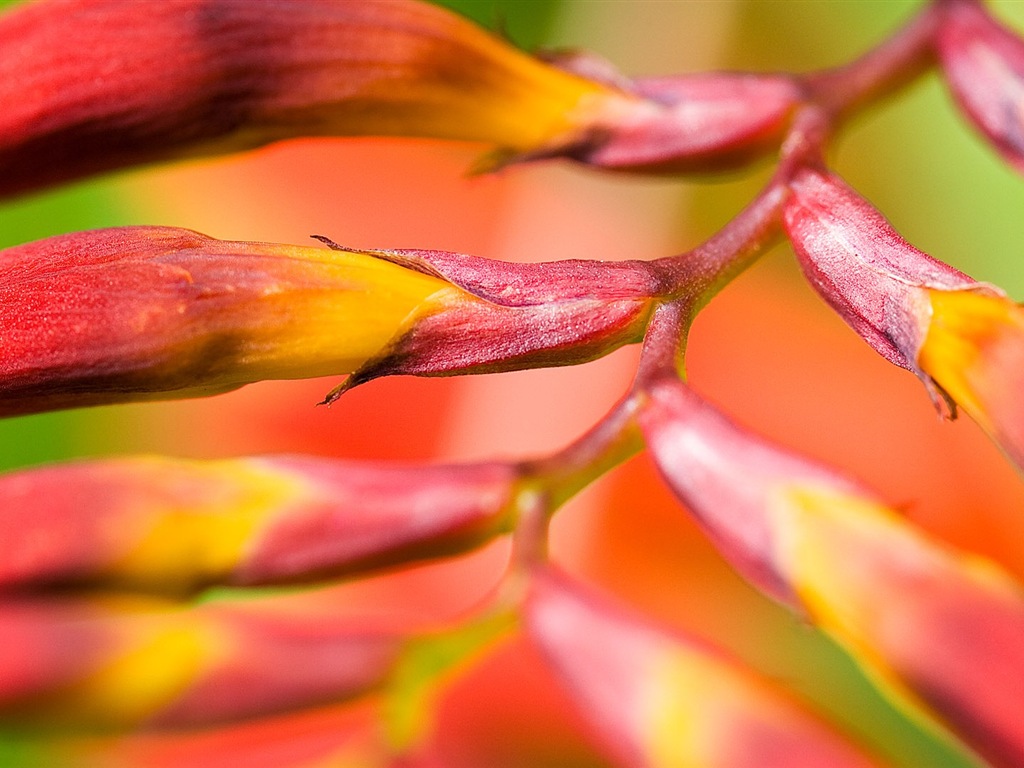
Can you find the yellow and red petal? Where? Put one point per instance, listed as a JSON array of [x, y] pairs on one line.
[[82, 97], [974, 350], [141, 313]]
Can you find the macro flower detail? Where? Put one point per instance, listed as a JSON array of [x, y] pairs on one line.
[[687, 123], [175, 526], [961, 337], [250, 73], [974, 350], [224, 603], [659, 698], [933, 625], [983, 64]]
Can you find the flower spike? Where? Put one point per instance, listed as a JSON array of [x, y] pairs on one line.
[[983, 62], [937, 628], [174, 526], [661, 699], [963, 338]]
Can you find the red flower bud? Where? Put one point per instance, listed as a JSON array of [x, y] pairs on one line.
[[964, 339], [695, 123], [153, 312]]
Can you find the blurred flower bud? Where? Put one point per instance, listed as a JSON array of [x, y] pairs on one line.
[[81, 96], [116, 662], [984, 67], [659, 698], [143, 313], [934, 625], [175, 525]]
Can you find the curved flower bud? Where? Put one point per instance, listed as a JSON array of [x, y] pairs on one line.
[[141, 313], [658, 698], [953, 332], [937, 628], [151, 312], [175, 525], [511, 316], [984, 67], [119, 662], [82, 97]]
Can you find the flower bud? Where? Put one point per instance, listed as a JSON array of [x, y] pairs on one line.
[[657, 698], [937, 628], [984, 67], [142, 313], [175, 526], [961, 335], [115, 662]]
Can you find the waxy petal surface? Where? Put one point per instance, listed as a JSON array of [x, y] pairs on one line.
[[661, 699], [508, 316], [81, 96], [963, 338], [141, 313], [175, 526], [935, 626]]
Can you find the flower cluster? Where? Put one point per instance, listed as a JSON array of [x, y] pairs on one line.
[[132, 631]]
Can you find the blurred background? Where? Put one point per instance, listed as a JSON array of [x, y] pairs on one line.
[[767, 350]]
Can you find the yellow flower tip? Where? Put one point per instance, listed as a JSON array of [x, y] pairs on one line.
[[974, 350]]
